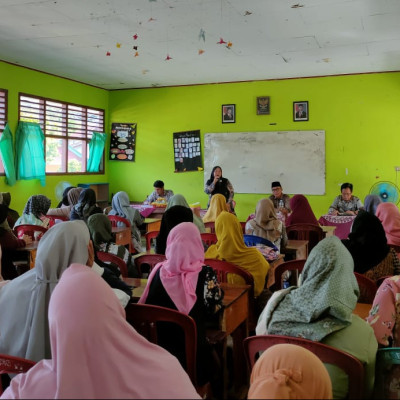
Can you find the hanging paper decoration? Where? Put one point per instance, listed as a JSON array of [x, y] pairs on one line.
[[229, 45], [151, 19], [135, 36], [118, 45], [201, 52], [145, 71], [108, 53], [221, 41], [247, 13], [136, 54], [202, 34], [135, 47], [168, 58]]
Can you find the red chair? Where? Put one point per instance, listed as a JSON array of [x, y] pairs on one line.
[[114, 223], [34, 231], [149, 260], [209, 238], [368, 288], [327, 354], [210, 225], [149, 237], [113, 259], [243, 225], [293, 265], [144, 318], [54, 218], [310, 232], [13, 365]]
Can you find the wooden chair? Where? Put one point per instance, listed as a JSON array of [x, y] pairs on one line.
[[115, 219], [209, 238], [310, 232], [144, 318], [327, 354], [149, 260], [253, 240], [293, 265], [13, 365], [210, 226], [54, 218], [149, 238], [34, 231], [368, 288], [115, 260]]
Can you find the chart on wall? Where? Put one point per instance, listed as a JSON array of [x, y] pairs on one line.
[[123, 140], [252, 160], [187, 151]]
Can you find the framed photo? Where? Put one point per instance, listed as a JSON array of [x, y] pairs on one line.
[[263, 105], [300, 111], [228, 113]]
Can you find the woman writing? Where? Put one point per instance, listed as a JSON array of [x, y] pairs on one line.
[[218, 184]]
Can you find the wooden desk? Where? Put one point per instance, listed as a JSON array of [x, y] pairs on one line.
[[30, 251], [271, 271], [122, 236], [362, 310], [298, 246], [152, 224]]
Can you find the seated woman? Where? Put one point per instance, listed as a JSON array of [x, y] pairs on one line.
[[217, 184], [24, 300], [368, 246], [121, 207], [371, 203], [184, 283], [346, 203], [321, 309], [287, 371], [85, 207], [95, 346], [12, 215], [231, 247], [35, 211], [389, 215], [302, 212], [71, 198], [217, 205], [266, 225], [101, 233], [179, 200], [172, 217]]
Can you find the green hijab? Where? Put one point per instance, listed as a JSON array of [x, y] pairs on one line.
[[325, 300], [100, 229], [179, 200]]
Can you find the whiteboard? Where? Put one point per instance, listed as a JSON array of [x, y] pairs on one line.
[[252, 160]]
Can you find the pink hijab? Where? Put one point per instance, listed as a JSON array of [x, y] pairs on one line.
[[96, 354], [180, 271], [389, 215], [302, 212]]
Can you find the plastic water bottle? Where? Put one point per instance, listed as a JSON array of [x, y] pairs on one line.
[[281, 205]]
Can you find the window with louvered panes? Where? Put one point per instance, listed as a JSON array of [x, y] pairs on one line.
[[3, 119]]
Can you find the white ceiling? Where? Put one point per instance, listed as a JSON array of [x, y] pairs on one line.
[[270, 39]]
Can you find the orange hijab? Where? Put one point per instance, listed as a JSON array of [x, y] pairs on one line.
[[217, 205]]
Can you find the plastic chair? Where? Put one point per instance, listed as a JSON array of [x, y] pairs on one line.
[[148, 259], [34, 231], [310, 232], [53, 219], [253, 240], [144, 318], [113, 259], [149, 237], [210, 226], [13, 365], [209, 238], [368, 288], [293, 265], [386, 373], [327, 354], [243, 225]]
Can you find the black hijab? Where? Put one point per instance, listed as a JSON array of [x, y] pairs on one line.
[[366, 242], [172, 217], [64, 201]]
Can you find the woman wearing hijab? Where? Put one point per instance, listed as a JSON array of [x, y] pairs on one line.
[[72, 198], [64, 201], [231, 247], [182, 282], [266, 225], [85, 207], [217, 184], [217, 205], [121, 207], [321, 309], [171, 218], [179, 200], [12, 215], [371, 203], [35, 211], [287, 371], [302, 212], [389, 215], [368, 246], [96, 353]]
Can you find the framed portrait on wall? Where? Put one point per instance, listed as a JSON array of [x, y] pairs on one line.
[[228, 113], [300, 111], [263, 105]]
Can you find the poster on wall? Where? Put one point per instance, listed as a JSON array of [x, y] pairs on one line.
[[187, 151], [123, 141]]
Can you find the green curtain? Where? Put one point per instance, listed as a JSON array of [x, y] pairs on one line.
[[96, 148], [7, 155], [30, 152]]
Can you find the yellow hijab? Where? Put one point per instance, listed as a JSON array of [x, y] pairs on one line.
[[230, 247], [217, 205]]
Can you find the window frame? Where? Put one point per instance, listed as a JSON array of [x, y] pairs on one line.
[[67, 135], [3, 122]]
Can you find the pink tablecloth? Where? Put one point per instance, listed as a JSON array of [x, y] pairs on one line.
[[343, 224]]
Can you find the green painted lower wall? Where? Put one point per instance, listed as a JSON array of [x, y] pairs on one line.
[[17, 79], [359, 114]]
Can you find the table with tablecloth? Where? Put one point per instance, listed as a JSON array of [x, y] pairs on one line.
[[342, 223]]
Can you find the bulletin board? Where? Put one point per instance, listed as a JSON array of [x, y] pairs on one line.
[[252, 160], [123, 141], [187, 151]]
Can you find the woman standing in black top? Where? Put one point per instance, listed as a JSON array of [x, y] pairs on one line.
[[218, 184]]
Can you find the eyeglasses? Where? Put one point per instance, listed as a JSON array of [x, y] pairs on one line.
[[276, 189]]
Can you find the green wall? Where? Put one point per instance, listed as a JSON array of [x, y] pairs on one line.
[[359, 114], [17, 79]]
